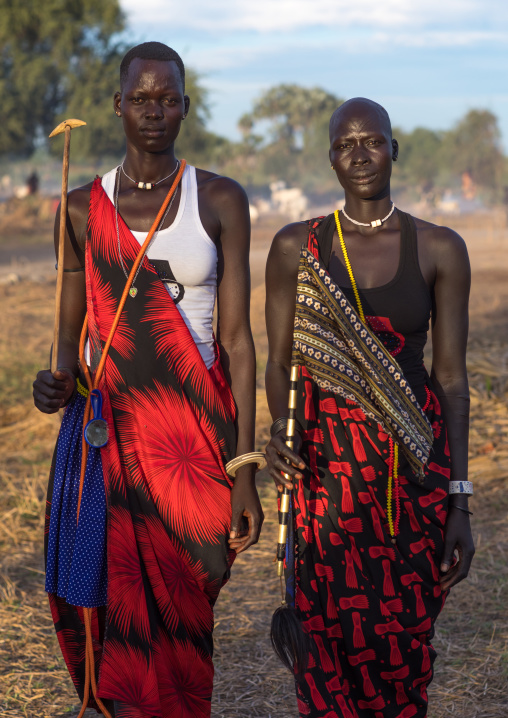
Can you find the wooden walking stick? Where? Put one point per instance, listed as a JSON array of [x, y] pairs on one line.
[[289, 640], [65, 126]]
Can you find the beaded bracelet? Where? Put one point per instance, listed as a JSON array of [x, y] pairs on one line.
[[466, 511], [281, 424], [78, 269], [278, 425], [461, 487], [81, 389]]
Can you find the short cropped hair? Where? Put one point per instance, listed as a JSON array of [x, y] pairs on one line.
[[151, 51]]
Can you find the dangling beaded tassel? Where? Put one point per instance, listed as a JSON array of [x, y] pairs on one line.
[[393, 488], [397, 487]]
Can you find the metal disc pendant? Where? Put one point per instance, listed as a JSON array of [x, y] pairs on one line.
[[96, 433], [96, 430], [133, 291]]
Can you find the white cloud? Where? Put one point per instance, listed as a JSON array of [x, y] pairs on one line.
[[217, 58], [226, 16], [446, 38]]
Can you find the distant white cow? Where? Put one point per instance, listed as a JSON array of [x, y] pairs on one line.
[[21, 191], [289, 201], [254, 213]]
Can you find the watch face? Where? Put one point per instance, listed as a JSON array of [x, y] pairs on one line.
[[165, 274], [96, 433]]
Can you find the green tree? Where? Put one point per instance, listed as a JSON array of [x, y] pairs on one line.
[[50, 50], [60, 59], [195, 142], [474, 146], [296, 147], [419, 160]]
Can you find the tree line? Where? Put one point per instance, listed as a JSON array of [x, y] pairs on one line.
[[60, 59]]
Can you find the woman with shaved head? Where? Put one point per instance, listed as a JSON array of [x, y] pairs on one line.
[[379, 468]]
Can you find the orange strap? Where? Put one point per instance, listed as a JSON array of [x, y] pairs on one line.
[[87, 612]]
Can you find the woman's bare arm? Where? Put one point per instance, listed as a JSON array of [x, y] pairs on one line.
[[52, 391], [237, 347], [281, 282], [449, 376]]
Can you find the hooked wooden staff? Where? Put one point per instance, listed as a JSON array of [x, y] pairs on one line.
[[65, 126], [289, 640]]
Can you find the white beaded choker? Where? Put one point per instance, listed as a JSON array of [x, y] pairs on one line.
[[375, 223], [149, 185]]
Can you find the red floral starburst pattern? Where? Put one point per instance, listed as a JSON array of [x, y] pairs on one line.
[[176, 343], [178, 583], [174, 461], [185, 679], [128, 675], [126, 594], [105, 306]]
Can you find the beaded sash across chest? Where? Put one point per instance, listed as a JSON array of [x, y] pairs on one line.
[[343, 356]]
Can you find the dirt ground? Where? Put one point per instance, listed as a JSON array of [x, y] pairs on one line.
[[472, 634]]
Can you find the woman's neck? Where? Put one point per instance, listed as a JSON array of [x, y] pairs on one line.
[[149, 167]]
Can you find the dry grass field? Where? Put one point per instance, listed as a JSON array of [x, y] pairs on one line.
[[472, 636]]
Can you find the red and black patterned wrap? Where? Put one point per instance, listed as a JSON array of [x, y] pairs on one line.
[[368, 605], [171, 431]]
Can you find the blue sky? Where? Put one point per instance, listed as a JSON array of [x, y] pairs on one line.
[[426, 61]]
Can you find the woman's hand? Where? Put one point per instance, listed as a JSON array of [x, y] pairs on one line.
[[457, 537], [51, 392], [277, 452], [246, 513]]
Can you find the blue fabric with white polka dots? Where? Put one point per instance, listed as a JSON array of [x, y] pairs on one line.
[[76, 565]]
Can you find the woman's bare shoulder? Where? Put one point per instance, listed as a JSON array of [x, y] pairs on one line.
[[289, 239], [440, 235]]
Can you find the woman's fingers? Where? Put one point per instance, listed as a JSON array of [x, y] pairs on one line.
[[51, 391], [284, 464], [280, 480], [458, 538], [283, 449]]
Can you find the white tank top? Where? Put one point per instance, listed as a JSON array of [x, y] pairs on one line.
[[185, 258]]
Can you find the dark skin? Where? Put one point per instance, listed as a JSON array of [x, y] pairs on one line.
[[152, 105], [361, 153]]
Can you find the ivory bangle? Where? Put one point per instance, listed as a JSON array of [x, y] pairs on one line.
[[254, 457]]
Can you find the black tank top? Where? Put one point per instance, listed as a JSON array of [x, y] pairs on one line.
[[398, 312]]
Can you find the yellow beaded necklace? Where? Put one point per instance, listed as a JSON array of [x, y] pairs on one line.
[[393, 464]]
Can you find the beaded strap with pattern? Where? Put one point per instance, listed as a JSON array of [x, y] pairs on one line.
[[343, 356]]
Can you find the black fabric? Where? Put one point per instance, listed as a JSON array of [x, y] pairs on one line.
[[398, 311]]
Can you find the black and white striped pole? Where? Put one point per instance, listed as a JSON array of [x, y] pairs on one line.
[[286, 494], [290, 642]]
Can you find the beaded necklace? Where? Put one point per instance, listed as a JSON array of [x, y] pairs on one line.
[[149, 185], [393, 461], [134, 290], [375, 223]]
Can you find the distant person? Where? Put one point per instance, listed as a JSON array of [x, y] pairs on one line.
[[32, 182], [177, 403], [381, 454]]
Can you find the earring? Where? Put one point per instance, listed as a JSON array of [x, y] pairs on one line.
[[332, 167]]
